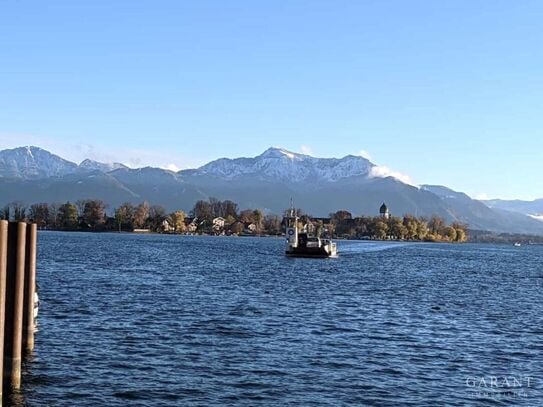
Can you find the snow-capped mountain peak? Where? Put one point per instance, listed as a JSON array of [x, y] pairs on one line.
[[278, 164], [91, 165], [33, 162], [276, 152]]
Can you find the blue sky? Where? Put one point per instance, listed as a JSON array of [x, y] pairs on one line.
[[448, 92]]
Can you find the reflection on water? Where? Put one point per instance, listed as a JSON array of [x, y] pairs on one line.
[[169, 320]]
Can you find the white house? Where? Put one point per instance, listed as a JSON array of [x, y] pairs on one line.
[[218, 224], [166, 227]]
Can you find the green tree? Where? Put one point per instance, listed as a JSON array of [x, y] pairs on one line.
[[67, 216]]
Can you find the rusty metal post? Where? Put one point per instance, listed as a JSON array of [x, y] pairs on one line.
[[3, 271], [29, 287]]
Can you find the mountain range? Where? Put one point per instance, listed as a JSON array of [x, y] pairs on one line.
[[534, 208], [268, 181]]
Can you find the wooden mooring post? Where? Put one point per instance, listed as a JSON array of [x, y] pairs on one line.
[[18, 242]]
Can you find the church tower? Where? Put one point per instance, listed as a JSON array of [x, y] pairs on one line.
[[385, 214]]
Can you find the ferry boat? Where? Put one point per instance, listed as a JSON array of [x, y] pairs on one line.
[[303, 244]]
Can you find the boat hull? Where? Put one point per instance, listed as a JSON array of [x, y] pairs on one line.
[[318, 252]]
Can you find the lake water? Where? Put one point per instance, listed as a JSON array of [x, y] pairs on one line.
[[210, 321]]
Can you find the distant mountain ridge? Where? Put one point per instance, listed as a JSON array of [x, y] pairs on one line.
[[92, 165], [267, 181], [33, 163], [36, 163], [533, 208], [282, 165]]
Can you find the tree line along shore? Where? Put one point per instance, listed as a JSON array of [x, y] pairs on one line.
[[218, 217]]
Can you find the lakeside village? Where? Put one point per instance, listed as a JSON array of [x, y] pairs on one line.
[[216, 217]]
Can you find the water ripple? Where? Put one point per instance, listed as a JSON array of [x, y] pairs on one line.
[[201, 321]]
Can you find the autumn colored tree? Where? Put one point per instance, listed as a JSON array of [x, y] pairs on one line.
[[397, 228], [246, 216], [124, 215], [258, 218], [236, 227], [177, 220], [436, 225], [380, 230], [141, 214], [94, 213], [229, 220], [461, 231], [450, 233], [410, 223]]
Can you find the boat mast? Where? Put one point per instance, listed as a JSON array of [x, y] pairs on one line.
[[292, 227]]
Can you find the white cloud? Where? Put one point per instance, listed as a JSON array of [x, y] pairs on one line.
[[364, 154], [381, 171], [481, 197], [172, 167], [306, 150]]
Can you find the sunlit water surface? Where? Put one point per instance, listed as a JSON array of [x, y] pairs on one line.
[[210, 321]]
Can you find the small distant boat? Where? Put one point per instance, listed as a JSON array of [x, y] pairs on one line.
[[517, 244], [302, 244]]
